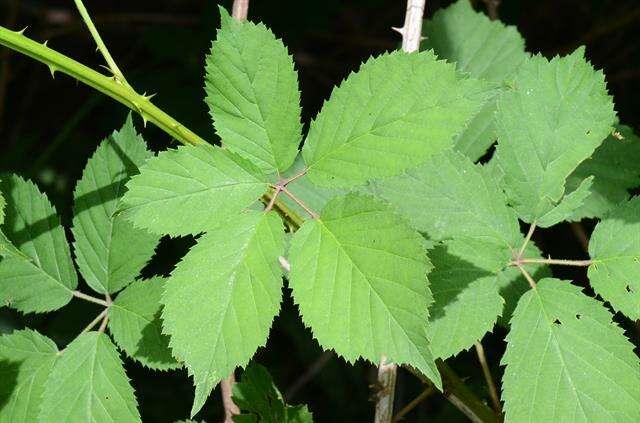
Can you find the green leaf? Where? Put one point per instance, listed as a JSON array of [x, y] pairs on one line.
[[614, 248], [257, 394], [557, 113], [134, 323], [467, 302], [614, 166], [221, 299], [567, 206], [449, 197], [88, 384], [110, 252], [36, 270], [485, 49], [191, 189], [567, 361], [252, 93], [358, 275], [26, 359], [391, 115]]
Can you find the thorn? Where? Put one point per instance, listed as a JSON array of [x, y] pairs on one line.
[[21, 32], [144, 120], [617, 135], [148, 97], [423, 38], [53, 71], [398, 30], [45, 43]]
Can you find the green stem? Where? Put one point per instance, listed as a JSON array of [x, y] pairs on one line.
[[560, 262], [108, 86], [101, 45], [124, 94]]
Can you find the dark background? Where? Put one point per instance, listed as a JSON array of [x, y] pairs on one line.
[[49, 128]]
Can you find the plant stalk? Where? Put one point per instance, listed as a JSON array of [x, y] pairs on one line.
[[387, 374]]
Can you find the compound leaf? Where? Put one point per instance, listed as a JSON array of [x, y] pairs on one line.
[[221, 299], [88, 384], [191, 189], [26, 359], [134, 323], [567, 361], [257, 394], [614, 166], [449, 197], [252, 93], [110, 252], [555, 116], [358, 275], [36, 269], [484, 49], [614, 248], [391, 115]]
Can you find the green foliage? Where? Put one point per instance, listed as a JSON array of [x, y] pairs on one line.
[[615, 251], [36, 269], [391, 115], [418, 262], [221, 299], [134, 323], [258, 396], [109, 251], [567, 361], [26, 359], [555, 116], [191, 189], [88, 383], [252, 92], [449, 197], [485, 49], [358, 274], [614, 166]]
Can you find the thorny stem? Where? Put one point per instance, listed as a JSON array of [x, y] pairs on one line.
[[240, 9], [226, 390], [495, 399], [113, 67], [387, 373], [119, 92], [526, 240], [581, 263], [91, 299], [492, 8], [103, 325], [411, 31], [414, 403]]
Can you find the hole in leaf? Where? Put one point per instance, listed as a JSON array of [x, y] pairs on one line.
[[578, 316], [557, 322], [588, 131], [628, 289]]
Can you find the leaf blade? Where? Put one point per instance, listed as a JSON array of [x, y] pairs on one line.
[[221, 277], [191, 189], [110, 252], [252, 93], [400, 108], [365, 312], [36, 270], [107, 397], [556, 331]]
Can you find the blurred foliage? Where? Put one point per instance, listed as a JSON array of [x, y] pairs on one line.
[[48, 129]]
